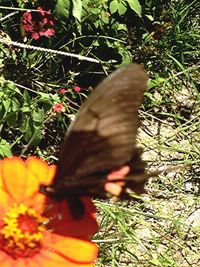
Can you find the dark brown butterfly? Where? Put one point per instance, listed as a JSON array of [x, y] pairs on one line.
[[102, 138]]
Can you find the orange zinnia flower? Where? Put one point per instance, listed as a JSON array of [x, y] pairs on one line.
[[27, 238]]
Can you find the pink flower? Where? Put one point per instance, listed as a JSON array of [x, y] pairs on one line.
[[62, 91], [38, 24], [47, 33], [77, 89], [58, 107]]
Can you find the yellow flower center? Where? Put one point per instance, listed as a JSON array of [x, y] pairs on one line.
[[22, 232]]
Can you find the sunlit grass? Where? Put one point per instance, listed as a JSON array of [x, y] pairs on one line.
[[162, 228]]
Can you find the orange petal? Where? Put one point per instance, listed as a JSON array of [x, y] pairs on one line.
[[4, 197], [36, 202], [74, 251], [1, 180], [18, 181], [13, 177], [20, 262], [31, 262], [41, 170], [4, 202], [43, 173], [50, 259], [5, 260], [21, 179], [34, 263]]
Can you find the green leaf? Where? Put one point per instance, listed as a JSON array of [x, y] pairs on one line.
[[26, 108], [105, 17], [124, 53], [55, 98], [2, 111], [10, 86], [113, 6], [15, 105], [35, 139], [85, 3], [45, 101], [28, 134], [6, 103], [44, 97], [38, 116], [1, 95], [77, 9], [135, 6], [27, 102], [121, 27], [24, 125], [12, 119], [62, 8], [121, 8], [156, 82], [33, 133], [26, 97], [95, 11], [5, 148]]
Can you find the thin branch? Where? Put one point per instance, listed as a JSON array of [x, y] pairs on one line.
[[8, 16], [42, 49]]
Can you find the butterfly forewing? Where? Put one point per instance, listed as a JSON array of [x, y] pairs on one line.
[[103, 135]]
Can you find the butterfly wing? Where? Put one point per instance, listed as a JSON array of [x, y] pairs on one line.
[[103, 135]]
